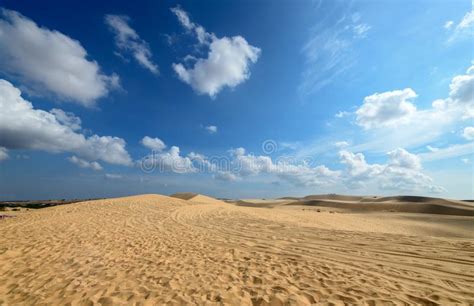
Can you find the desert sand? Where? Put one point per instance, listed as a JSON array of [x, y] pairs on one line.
[[194, 249]]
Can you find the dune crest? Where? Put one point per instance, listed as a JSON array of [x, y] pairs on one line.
[[196, 198]]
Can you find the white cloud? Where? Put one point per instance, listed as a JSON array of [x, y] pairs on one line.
[[466, 161], [432, 149], [243, 165], [127, 40], [24, 127], [449, 24], [386, 109], [67, 119], [153, 143], [357, 168], [451, 151], [202, 36], [3, 153], [403, 159], [461, 93], [111, 176], [227, 63], [169, 161], [468, 133], [183, 18], [397, 119], [226, 176], [84, 163], [239, 165], [464, 29], [342, 114], [402, 172], [341, 144], [202, 163], [212, 129], [467, 21], [360, 30], [49, 62]]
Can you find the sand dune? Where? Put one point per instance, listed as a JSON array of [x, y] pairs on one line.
[[154, 249], [196, 198], [184, 195]]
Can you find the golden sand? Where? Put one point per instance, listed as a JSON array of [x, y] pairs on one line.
[[153, 249]]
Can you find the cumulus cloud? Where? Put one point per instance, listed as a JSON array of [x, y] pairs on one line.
[[403, 159], [153, 143], [302, 174], [357, 168], [172, 160], [84, 163], [226, 176], [3, 153], [392, 115], [128, 41], [402, 172], [168, 161], [461, 93], [227, 63], [468, 133], [385, 109], [49, 62], [211, 129], [24, 127], [67, 119]]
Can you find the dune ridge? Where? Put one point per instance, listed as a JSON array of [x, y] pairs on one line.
[[154, 249]]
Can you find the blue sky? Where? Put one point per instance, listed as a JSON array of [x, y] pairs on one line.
[[236, 99]]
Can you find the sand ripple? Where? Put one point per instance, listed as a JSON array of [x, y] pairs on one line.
[[154, 249]]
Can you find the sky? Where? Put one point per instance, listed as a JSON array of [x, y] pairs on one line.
[[236, 99]]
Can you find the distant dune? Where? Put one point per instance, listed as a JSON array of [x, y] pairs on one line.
[[194, 249], [184, 195], [408, 204], [196, 198]]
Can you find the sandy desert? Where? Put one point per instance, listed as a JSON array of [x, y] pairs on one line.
[[194, 249]]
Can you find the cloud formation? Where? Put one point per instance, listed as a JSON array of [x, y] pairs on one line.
[[84, 163], [468, 133], [153, 143], [402, 172], [49, 62], [128, 41], [386, 109], [24, 127], [211, 129], [464, 28], [298, 174], [393, 115], [168, 161], [227, 63], [454, 150]]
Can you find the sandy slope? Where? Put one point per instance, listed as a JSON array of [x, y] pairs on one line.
[[154, 249]]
